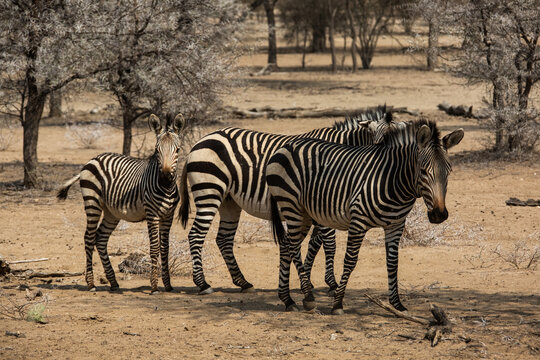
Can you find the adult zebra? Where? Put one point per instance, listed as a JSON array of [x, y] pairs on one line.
[[123, 187], [226, 172], [356, 189]]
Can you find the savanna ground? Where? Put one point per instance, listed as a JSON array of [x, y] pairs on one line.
[[495, 306]]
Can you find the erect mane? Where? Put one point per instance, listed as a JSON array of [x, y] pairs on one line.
[[407, 134], [351, 121]]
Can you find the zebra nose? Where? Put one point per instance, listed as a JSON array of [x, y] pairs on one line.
[[436, 216]]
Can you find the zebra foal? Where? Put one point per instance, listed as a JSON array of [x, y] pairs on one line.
[[117, 187], [356, 189]]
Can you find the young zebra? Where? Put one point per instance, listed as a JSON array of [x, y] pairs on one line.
[[356, 189], [123, 187], [226, 172]]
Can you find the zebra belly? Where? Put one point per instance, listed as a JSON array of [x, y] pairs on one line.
[[131, 214], [258, 209], [338, 222]]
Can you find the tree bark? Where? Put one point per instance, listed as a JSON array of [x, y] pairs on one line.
[[270, 18], [353, 36], [332, 14], [55, 103], [433, 44], [32, 116]]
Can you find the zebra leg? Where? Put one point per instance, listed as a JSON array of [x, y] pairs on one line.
[[327, 238], [287, 252], [314, 246], [201, 224], [164, 229], [354, 241], [107, 226], [153, 234], [391, 241], [229, 213], [93, 214]]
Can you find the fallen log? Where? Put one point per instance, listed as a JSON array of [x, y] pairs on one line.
[[298, 112], [462, 110], [517, 202]]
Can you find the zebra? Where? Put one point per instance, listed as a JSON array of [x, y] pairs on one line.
[[116, 187], [356, 189], [226, 172]]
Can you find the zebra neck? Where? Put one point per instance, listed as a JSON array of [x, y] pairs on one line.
[[405, 161], [162, 183]]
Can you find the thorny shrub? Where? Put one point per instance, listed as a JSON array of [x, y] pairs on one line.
[[86, 136]]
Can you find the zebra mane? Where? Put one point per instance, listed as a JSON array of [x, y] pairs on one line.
[[402, 135], [351, 122]]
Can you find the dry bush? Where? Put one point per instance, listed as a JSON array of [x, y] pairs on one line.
[[483, 259], [420, 232], [254, 231], [28, 308], [138, 262], [7, 133], [520, 256], [86, 136]]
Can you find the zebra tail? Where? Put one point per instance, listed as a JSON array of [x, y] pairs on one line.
[[277, 226], [184, 198], [63, 191]]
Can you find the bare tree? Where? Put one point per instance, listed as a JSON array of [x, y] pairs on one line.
[[171, 56], [45, 45], [501, 47], [372, 17]]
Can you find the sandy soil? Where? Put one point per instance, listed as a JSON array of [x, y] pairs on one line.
[[494, 306]]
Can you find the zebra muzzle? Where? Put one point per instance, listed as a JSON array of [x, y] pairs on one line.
[[436, 216]]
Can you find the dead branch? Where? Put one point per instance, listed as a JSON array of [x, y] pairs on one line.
[[29, 274], [27, 261], [462, 110], [398, 313]]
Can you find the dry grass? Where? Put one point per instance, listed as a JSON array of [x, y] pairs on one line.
[[29, 308], [520, 256], [138, 261], [7, 133]]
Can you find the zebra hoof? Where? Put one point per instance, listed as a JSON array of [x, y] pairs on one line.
[[154, 292], [92, 289], [292, 308], [115, 287], [308, 305], [248, 290], [206, 291], [169, 288], [338, 312]]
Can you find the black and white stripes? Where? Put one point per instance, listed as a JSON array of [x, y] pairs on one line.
[[355, 189], [226, 172], [117, 187]]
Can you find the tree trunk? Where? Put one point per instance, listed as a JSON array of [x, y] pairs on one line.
[[353, 36], [55, 103], [499, 121], [318, 40], [128, 120], [270, 18], [332, 13], [344, 56], [433, 44], [304, 50], [32, 117]]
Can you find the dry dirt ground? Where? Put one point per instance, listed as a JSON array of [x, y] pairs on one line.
[[495, 307]]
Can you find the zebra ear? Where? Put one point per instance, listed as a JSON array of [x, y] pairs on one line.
[[423, 136], [453, 138], [178, 123], [154, 123]]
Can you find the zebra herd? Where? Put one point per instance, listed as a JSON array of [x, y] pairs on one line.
[[364, 172]]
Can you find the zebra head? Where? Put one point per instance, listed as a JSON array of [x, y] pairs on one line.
[[167, 145], [380, 126], [434, 168]]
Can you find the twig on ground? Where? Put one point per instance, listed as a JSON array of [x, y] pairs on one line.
[[27, 261]]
